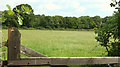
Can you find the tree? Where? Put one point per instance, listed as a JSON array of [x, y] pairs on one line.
[[108, 35]]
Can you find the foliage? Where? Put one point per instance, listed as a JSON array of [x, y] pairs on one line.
[[57, 22], [6, 15], [10, 12], [23, 8], [108, 34]]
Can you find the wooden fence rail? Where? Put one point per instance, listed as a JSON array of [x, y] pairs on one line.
[[29, 52], [14, 58], [39, 61]]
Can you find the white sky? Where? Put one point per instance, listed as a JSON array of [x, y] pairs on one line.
[[75, 8]]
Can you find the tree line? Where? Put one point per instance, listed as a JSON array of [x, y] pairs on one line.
[[30, 20], [53, 22]]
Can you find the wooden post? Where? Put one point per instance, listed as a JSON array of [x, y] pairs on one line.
[[13, 44]]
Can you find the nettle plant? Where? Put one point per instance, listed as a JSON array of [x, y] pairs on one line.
[[108, 34]]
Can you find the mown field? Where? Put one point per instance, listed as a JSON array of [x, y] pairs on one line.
[[61, 43]]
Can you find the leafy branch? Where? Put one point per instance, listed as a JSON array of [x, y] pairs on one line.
[[10, 12]]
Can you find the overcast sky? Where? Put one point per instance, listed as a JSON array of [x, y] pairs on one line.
[[75, 8]]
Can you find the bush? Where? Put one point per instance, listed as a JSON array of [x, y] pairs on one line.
[[41, 28], [24, 27], [4, 27]]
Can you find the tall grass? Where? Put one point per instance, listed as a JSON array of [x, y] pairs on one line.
[[61, 43]]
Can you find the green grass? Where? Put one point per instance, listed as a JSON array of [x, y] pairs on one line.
[[61, 43]]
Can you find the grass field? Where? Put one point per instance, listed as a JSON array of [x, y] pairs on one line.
[[61, 43]]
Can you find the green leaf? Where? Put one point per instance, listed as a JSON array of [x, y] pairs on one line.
[[27, 10], [20, 19], [10, 12], [112, 5], [3, 18], [17, 10], [8, 7]]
